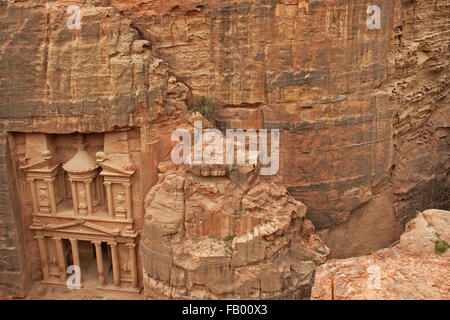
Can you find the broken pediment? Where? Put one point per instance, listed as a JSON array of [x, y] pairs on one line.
[[42, 164], [83, 226], [115, 164]]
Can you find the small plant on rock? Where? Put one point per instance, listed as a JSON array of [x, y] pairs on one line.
[[440, 246], [206, 106], [229, 238]]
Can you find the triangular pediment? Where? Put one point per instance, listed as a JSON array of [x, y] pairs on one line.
[[111, 169], [43, 165], [117, 165], [83, 226]]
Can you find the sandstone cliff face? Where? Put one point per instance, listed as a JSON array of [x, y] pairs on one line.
[[419, 90], [363, 113], [209, 237], [410, 270], [100, 78], [310, 67]]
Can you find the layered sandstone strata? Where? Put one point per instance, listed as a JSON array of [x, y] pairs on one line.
[[413, 269], [363, 113], [209, 235]]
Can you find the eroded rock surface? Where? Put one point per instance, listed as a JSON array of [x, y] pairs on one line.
[[363, 113], [429, 229], [410, 270], [207, 237]]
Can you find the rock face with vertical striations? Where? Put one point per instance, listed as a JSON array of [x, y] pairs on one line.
[[363, 113], [363, 116]]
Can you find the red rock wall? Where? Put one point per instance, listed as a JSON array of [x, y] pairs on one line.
[[363, 113], [411, 270], [53, 80], [359, 109], [312, 66]]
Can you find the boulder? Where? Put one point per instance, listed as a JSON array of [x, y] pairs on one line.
[[412, 269]]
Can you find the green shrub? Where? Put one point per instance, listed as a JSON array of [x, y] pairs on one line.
[[440, 246], [205, 106], [229, 238]]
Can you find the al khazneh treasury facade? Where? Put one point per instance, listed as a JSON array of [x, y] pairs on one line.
[[83, 207], [77, 164]]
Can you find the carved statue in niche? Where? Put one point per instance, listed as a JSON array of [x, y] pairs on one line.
[[43, 194], [53, 266], [121, 202], [52, 259], [44, 175], [83, 199], [126, 266]]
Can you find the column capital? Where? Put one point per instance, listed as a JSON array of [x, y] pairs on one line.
[[130, 245], [56, 238], [107, 183], [112, 243], [50, 179], [127, 184], [39, 236], [96, 242]]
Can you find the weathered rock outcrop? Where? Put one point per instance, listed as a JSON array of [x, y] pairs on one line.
[[427, 233], [208, 237], [416, 268]]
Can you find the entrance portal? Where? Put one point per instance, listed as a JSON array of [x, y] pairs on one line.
[[89, 264]]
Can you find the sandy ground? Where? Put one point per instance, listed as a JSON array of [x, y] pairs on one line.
[[47, 292]]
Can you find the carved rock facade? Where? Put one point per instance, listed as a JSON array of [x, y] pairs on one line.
[[81, 145]]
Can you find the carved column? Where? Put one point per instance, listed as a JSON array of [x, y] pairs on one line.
[[43, 254], [87, 185], [99, 258], [51, 191], [97, 190], [115, 263], [75, 252], [102, 190], [134, 275], [34, 196], [61, 260], [62, 185], [74, 196], [110, 199], [129, 200]]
